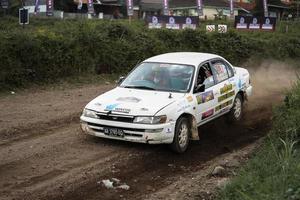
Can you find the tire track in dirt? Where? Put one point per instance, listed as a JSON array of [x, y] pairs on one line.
[[51, 159]]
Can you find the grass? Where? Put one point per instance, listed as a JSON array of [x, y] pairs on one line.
[[274, 171]]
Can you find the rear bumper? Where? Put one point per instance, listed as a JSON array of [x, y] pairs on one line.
[[141, 133]]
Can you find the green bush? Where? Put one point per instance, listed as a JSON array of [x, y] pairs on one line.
[[48, 50]]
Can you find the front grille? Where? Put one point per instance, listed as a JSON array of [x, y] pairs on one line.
[[118, 118]]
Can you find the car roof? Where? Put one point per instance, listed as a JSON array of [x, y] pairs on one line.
[[188, 58]]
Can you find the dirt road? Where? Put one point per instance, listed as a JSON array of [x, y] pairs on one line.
[[44, 155]]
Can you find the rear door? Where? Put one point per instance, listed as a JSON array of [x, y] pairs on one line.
[[225, 94]]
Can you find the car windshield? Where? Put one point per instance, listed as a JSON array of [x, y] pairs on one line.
[[161, 77]]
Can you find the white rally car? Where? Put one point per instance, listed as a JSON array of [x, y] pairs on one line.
[[165, 98]]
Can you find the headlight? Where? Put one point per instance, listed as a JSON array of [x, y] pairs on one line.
[[89, 113], [151, 120]]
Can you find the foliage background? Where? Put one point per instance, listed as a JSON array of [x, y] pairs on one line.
[[48, 50]]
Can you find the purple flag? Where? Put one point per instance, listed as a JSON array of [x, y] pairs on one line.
[[91, 7], [166, 7], [49, 7], [129, 7], [266, 8], [231, 8], [200, 7], [37, 4]]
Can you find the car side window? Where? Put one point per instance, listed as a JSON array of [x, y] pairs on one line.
[[229, 70], [205, 76], [220, 71]]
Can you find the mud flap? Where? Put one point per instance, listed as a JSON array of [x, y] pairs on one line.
[[194, 129]]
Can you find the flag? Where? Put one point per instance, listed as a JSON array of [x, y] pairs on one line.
[[200, 7], [79, 6], [129, 7], [231, 8], [91, 7], [166, 7], [37, 4], [266, 8], [49, 7]]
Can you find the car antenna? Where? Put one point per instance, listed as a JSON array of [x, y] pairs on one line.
[[170, 96]]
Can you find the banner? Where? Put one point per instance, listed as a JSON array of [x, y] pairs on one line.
[[200, 7], [172, 22], [37, 4], [266, 8], [91, 7], [4, 4], [129, 7], [255, 23], [231, 8], [49, 7], [166, 7]]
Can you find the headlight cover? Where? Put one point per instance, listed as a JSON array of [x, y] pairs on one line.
[[89, 113], [151, 120]]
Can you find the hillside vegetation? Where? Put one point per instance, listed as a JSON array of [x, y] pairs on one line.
[[48, 50]]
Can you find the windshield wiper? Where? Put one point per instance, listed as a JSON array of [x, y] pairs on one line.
[[140, 87]]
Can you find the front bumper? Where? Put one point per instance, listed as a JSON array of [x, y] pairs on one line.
[[248, 91], [141, 133]]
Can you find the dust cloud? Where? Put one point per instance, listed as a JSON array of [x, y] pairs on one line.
[[270, 80]]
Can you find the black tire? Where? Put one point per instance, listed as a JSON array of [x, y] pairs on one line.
[[181, 136], [236, 112]]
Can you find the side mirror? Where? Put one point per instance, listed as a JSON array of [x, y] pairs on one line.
[[121, 79], [199, 88]]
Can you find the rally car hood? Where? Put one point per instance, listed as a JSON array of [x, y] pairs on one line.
[[133, 101]]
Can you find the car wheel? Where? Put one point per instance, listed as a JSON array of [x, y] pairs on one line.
[[182, 135], [236, 111]]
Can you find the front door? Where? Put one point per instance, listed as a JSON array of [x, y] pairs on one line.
[[207, 100]]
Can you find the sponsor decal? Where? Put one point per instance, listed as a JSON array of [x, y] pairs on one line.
[[122, 110], [129, 99], [254, 24], [223, 105], [169, 130], [183, 108], [144, 109], [111, 107], [226, 96], [205, 97], [242, 24], [172, 22], [226, 88], [189, 98], [207, 114], [98, 104], [240, 83]]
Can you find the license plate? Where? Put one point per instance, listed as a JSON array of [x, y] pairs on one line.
[[114, 132]]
